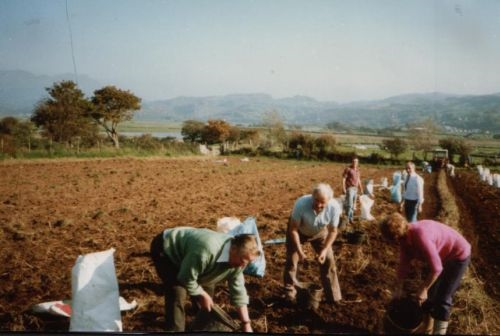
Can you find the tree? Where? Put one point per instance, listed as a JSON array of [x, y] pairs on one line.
[[64, 115], [192, 130], [15, 133], [111, 106], [297, 140], [216, 131], [8, 125], [7, 129], [338, 127], [23, 134], [395, 146], [250, 135], [234, 135], [423, 134], [274, 122], [301, 144], [456, 146], [324, 143]]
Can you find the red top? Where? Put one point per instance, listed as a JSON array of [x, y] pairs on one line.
[[432, 242], [351, 176]]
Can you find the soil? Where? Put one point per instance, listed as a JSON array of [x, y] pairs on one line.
[[53, 211]]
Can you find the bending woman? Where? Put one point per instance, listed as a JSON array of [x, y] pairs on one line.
[[444, 250]]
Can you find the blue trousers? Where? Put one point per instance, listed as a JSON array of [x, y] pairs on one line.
[[440, 295], [411, 210], [349, 201]]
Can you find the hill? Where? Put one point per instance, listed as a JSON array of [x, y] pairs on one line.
[[463, 112], [21, 90]]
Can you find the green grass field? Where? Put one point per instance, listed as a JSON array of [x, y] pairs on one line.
[[148, 127]]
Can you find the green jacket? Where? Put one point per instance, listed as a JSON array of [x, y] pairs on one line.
[[195, 252]]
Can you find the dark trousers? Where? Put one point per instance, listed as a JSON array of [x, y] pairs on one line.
[[440, 295], [175, 294], [411, 210], [328, 270]]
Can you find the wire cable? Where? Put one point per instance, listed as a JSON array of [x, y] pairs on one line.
[[71, 43]]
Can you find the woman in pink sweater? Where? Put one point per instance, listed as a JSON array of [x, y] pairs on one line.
[[444, 250]]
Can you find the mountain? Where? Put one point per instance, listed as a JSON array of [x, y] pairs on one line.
[[460, 111], [235, 108], [21, 90]]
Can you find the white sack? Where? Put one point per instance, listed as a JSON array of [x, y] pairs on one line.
[[63, 307], [385, 183], [341, 201], [450, 169], [366, 206], [369, 187], [496, 180], [489, 179], [95, 295], [258, 266], [485, 174], [226, 224], [396, 188]]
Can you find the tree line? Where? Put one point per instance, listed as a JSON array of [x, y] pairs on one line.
[[67, 116], [271, 138]]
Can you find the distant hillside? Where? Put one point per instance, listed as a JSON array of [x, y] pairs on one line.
[[236, 108], [465, 112], [21, 90]]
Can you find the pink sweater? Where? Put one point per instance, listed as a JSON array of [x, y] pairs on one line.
[[432, 242]]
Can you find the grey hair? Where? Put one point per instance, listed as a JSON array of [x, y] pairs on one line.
[[323, 189]]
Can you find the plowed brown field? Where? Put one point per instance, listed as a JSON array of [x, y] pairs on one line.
[[53, 211]]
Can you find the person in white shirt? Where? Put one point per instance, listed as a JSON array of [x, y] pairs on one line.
[[413, 194], [314, 219]]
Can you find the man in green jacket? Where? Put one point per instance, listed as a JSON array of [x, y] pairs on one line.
[[192, 261]]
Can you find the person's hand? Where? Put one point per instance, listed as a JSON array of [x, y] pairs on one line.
[[302, 255], [422, 296], [420, 208], [246, 326], [322, 256], [205, 301], [401, 207]]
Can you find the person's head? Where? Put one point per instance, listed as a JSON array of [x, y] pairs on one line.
[[321, 194], [394, 227], [355, 162], [244, 250], [410, 167]]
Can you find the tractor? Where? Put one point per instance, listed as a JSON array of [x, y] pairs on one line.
[[439, 158]]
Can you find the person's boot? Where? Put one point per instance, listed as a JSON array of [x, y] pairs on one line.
[[440, 327], [290, 295], [427, 324]]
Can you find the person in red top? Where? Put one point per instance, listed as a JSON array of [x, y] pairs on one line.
[[443, 249], [351, 181]]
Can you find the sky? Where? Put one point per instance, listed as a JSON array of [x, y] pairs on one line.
[[332, 50]]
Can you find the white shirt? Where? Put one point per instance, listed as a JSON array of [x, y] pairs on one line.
[[224, 256], [414, 188], [311, 223]]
